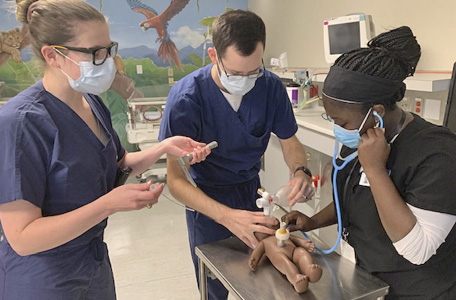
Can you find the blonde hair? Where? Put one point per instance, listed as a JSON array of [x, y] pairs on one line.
[[54, 22]]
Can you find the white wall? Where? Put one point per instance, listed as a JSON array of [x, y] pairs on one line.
[[296, 27]]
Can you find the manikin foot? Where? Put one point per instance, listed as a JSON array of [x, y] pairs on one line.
[[300, 283], [313, 272], [253, 263]]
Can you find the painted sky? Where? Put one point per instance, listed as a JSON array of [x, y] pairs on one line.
[[184, 28]]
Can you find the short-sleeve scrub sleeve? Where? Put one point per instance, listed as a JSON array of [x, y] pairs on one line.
[[26, 137]]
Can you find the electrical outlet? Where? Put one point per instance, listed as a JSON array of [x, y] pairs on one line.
[[418, 107]]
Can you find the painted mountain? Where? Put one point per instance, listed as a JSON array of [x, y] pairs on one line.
[[145, 52]]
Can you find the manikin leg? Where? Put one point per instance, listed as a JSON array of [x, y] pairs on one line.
[[303, 259], [289, 269]]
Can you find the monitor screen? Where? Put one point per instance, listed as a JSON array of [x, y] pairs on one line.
[[450, 111], [344, 37], [346, 33]]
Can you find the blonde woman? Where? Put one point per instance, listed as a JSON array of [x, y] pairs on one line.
[[60, 158]]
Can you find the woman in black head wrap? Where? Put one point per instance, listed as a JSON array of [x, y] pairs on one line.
[[397, 196]]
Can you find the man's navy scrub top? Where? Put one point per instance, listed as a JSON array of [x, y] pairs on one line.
[[197, 108]]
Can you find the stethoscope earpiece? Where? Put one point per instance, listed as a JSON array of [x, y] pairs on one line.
[[380, 120]]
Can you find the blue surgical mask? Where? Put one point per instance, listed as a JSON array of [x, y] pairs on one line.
[[94, 79], [351, 138], [237, 87]]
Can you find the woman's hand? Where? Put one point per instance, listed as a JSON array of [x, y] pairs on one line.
[[298, 220], [181, 145], [373, 150], [132, 197]]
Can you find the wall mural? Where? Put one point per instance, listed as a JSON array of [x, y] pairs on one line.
[[159, 43]]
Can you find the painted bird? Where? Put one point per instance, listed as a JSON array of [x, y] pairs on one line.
[[167, 49]]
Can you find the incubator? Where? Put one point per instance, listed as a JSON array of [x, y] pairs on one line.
[[144, 117]]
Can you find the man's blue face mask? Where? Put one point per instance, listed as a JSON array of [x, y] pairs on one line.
[[351, 138]]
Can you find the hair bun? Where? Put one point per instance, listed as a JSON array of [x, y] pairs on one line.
[[22, 7], [400, 44]]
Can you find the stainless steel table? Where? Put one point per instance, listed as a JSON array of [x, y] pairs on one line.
[[228, 261]]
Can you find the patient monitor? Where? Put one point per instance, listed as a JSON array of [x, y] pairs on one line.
[[450, 111], [346, 33]]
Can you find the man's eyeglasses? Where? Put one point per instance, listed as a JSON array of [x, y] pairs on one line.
[[99, 54], [233, 77]]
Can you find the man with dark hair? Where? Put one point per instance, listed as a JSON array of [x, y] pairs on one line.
[[237, 103], [239, 28]]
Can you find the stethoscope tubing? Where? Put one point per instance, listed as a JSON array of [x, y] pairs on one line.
[[337, 168]]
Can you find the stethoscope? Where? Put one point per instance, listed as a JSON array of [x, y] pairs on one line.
[[337, 168]]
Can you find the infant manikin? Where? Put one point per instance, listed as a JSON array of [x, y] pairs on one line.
[[290, 255]]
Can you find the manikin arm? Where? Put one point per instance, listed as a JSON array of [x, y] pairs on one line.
[[261, 236], [303, 243]]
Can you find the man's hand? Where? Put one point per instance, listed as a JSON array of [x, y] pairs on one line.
[[243, 224], [302, 188]]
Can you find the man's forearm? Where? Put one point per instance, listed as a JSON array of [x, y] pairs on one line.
[[193, 197], [293, 153]]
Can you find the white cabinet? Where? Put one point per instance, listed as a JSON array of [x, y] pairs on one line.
[[420, 81], [276, 172]]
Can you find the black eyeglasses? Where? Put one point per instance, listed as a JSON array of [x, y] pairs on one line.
[[99, 54], [233, 77]]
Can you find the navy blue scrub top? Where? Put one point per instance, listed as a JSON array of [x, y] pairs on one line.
[[51, 158], [196, 108]]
